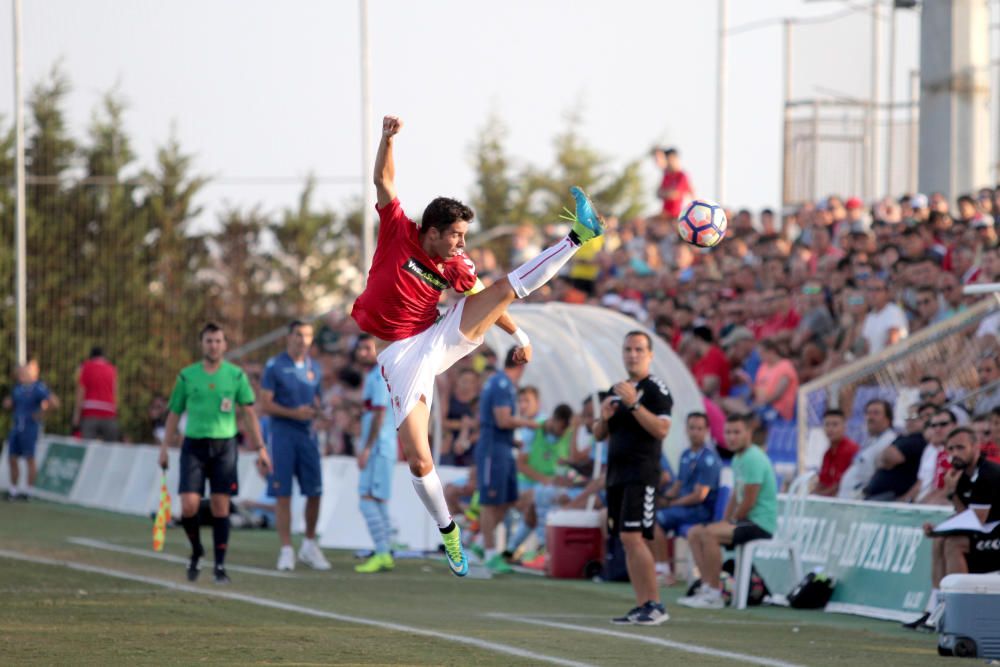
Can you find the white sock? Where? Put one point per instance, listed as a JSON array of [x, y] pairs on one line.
[[663, 568], [712, 592], [531, 275], [431, 494], [287, 548]]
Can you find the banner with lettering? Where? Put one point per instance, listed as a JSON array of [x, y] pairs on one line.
[[876, 552]]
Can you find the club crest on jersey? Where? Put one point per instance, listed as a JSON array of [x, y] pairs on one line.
[[425, 274]]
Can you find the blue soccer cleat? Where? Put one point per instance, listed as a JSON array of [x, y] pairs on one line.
[[455, 552], [587, 224]]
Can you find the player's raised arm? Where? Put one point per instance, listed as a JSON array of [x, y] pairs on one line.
[[385, 167]]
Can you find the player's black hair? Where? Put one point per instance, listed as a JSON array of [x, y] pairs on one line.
[[703, 333], [295, 324], [958, 430], [529, 389], [698, 415], [833, 412], [886, 406], [509, 361], [96, 351], [563, 413], [442, 212], [636, 332], [932, 378], [744, 418], [210, 327]]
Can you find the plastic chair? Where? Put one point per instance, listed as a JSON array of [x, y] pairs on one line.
[[784, 539]]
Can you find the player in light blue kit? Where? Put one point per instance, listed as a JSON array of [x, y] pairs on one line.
[[29, 399], [290, 394], [376, 456]]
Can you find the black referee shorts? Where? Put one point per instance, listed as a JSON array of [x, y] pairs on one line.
[[631, 509], [209, 459]]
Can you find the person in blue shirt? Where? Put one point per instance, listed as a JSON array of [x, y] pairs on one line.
[[29, 399], [691, 498], [290, 393], [377, 456], [496, 466]]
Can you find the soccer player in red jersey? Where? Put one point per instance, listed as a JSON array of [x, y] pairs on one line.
[[411, 267]]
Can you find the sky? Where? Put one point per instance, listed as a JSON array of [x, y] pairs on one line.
[[264, 93]]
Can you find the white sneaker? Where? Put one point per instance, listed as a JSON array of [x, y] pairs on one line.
[[286, 559], [706, 600], [310, 554]]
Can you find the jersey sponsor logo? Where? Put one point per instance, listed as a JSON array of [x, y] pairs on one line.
[[425, 274]]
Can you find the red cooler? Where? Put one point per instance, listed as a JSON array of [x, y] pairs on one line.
[[573, 539]]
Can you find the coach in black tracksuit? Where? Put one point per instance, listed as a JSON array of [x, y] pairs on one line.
[[636, 418]]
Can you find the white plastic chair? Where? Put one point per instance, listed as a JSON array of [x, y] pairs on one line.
[[784, 539]]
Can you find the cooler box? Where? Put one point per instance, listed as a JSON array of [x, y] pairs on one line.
[[574, 542], [970, 627]]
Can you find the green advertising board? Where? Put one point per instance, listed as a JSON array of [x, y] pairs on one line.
[[60, 468], [876, 552]]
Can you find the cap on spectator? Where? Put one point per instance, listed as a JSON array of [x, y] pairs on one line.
[[854, 202], [982, 221], [737, 335], [918, 200]]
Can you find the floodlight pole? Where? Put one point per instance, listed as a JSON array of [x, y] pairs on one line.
[[368, 186], [873, 104], [720, 106], [20, 233]]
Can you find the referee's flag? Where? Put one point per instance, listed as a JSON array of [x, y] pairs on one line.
[[162, 515]]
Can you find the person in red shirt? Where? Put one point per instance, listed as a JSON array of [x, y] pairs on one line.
[[838, 456], [95, 411], [413, 265], [782, 320], [983, 428], [675, 188], [711, 371]]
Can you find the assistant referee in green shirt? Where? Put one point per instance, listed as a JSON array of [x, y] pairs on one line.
[[211, 392]]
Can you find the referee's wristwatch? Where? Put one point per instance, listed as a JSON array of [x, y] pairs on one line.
[[633, 407]]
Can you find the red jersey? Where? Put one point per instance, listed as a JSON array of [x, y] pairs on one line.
[[99, 378], [405, 283], [713, 363], [678, 182], [836, 460]]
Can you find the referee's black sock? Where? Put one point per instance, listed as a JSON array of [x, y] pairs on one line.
[[220, 534], [191, 527]]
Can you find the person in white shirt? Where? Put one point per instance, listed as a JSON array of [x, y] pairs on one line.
[[885, 323], [878, 423], [933, 462]]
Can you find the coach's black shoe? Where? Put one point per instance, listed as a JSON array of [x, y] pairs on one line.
[[192, 571], [653, 613], [221, 577], [629, 618]]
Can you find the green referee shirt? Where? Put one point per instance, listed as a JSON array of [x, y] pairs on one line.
[[210, 400]]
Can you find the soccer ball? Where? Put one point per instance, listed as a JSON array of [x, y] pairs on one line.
[[703, 224]]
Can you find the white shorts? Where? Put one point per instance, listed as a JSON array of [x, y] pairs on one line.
[[410, 365]]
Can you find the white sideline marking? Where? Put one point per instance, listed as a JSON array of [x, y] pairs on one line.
[[636, 637], [145, 553], [286, 606]]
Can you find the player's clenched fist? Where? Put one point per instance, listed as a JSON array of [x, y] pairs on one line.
[[391, 125]]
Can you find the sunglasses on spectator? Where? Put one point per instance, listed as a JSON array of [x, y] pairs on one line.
[[927, 394], [939, 424], [811, 289], [856, 300]]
